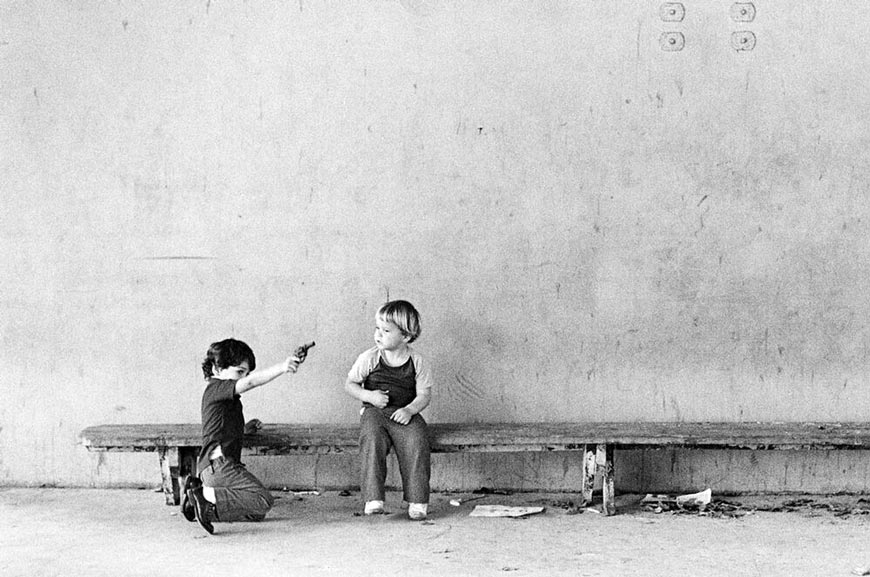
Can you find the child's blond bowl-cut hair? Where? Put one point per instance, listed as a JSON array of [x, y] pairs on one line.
[[403, 315]]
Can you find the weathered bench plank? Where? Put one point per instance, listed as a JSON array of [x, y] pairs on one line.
[[448, 437], [178, 444]]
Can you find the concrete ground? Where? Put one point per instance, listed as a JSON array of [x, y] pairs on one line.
[[125, 532]]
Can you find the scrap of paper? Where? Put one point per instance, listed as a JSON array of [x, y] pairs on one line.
[[503, 511]]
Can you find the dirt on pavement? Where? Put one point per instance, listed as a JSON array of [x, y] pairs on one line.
[[125, 532]]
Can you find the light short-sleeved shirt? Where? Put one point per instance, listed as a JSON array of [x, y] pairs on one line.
[[401, 383]]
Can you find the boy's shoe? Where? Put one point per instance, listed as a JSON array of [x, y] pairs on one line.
[[374, 508], [203, 510], [418, 511], [190, 482]]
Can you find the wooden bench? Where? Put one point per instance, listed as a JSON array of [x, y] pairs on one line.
[[177, 445]]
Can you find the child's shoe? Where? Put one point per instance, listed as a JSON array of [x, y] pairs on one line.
[[418, 511], [374, 508], [203, 510], [190, 482]]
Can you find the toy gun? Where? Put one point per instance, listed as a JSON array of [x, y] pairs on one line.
[[302, 351]]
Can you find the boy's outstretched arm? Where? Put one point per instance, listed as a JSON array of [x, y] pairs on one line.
[[263, 376]]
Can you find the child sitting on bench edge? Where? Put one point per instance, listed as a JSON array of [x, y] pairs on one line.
[[394, 384]]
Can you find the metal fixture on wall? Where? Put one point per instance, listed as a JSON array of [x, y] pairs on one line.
[[743, 40], [672, 41]]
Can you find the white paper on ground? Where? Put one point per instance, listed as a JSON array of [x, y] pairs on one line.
[[503, 511], [699, 499]]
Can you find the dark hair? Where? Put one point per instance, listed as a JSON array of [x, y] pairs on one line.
[[227, 353], [403, 315]]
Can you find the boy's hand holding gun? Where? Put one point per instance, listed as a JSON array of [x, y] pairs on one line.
[[292, 363]]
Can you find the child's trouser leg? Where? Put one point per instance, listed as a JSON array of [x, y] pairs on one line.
[[411, 443], [239, 494], [374, 444]]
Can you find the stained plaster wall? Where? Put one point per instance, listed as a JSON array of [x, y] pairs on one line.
[[594, 228]]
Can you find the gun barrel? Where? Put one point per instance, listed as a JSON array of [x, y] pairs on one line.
[[303, 349]]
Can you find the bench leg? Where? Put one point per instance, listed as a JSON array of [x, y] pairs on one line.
[[169, 460], [604, 462], [187, 461], [588, 473]]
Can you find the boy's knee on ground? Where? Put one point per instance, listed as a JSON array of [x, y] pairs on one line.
[[259, 513]]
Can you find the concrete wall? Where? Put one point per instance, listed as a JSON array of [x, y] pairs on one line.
[[594, 228]]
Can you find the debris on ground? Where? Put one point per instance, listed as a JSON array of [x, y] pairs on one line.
[[696, 502], [458, 502], [703, 504], [569, 506], [838, 509], [489, 491], [504, 511], [700, 500], [700, 503], [861, 570], [297, 494], [479, 494]]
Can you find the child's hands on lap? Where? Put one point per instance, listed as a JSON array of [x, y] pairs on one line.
[[378, 398], [402, 416]]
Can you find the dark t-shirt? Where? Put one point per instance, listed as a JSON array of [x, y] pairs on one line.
[[223, 423], [400, 383]]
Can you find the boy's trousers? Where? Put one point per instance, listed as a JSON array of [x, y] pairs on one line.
[[239, 494], [411, 443]]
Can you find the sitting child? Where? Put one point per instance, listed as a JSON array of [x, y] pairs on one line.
[[394, 384], [223, 489]]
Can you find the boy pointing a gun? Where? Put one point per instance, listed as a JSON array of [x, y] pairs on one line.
[[223, 489]]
